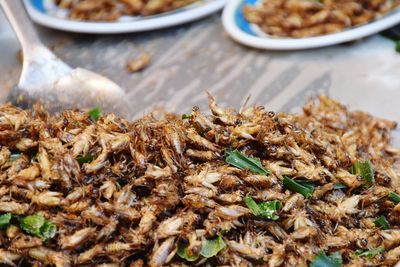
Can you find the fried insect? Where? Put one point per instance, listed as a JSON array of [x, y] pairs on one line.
[[305, 18], [110, 10], [160, 192]]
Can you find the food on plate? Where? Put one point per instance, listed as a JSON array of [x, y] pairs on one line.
[[306, 18], [110, 10], [247, 188], [139, 63]]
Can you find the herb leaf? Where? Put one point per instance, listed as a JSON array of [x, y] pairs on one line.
[[210, 248], [243, 162], [38, 226], [85, 159], [371, 253], [95, 113], [394, 197], [31, 224], [185, 116], [382, 223], [323, 260], [306, 189], [365, 170], [397, 46], [48, 230], [263, 209], [5, 220], [252, 205], [185, 254]]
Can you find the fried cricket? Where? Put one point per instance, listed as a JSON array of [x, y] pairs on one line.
[[228, 189], [307, 18], [111, 10]]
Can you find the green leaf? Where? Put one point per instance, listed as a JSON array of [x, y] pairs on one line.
[[365, 170], [371, 253], [38, 226], [339, 186], [243, 162], [85, 159], [185, 116], [32, 224], [323, 260], [5, 220], [264, 209], [210, 248], [306, 189], [95, 113], [185, 254], [269, 209], [394, 197], [48, 230], [307, 184], [382, 223], [397, 46], [252, 205]]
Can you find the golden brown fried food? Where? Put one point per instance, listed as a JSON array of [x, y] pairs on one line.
[[227, 189], [139, 63], [110, 10], [306, 18]]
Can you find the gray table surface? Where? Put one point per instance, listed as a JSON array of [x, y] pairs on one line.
[[192, 58]]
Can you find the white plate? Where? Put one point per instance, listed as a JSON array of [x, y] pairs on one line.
[[249, 34], [46, 13]]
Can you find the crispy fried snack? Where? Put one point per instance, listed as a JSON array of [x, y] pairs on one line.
[[110, 10], [306, 18], [228, 189]]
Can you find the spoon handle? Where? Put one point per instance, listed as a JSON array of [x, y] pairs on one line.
[[24, 29]]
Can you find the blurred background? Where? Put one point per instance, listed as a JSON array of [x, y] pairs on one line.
[[188, 60]]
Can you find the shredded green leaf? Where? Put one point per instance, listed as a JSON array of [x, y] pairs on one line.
[[306, 189], [243, 162], [85, 159], [95, 113], [32, 224], [185, 254], [397, 46], [308, 184], [264, 209], [382, 223], [394, 197], [365, 170], [210, 248], [38, 226], [5, 220], [48, 230], [323, 260], [371, 253], [185, 116]]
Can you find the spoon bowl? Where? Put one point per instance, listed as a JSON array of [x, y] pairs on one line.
[[48, 80]]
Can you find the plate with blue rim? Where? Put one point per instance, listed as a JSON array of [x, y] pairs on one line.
[[250, 34], [48, 14]]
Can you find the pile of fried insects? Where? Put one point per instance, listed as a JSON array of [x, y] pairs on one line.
[[248, 188], [305, 18], [111, 10]]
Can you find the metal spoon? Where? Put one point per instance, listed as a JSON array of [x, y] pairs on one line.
[[48, 80]]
